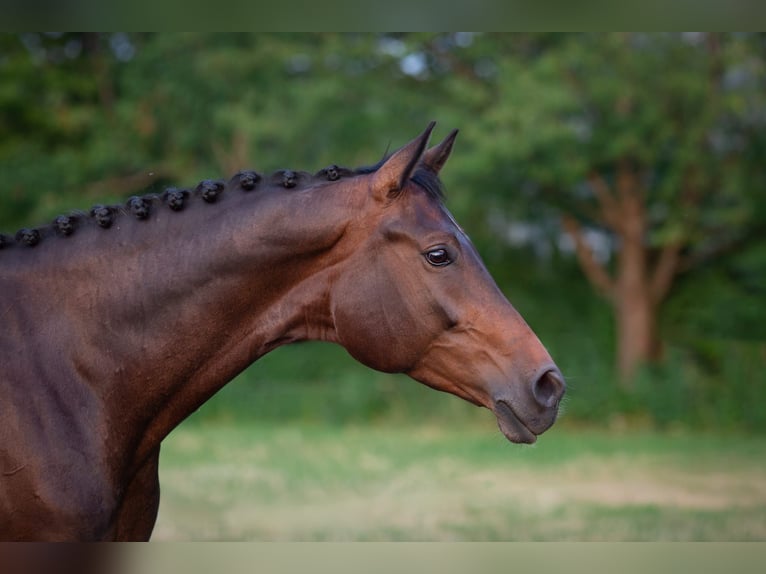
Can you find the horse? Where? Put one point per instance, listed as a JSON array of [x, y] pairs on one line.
[[117, 323]]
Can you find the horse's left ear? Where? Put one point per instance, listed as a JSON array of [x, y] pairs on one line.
[[391, 177], [435, 157]]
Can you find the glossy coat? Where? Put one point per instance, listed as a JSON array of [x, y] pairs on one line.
[[117, 324]]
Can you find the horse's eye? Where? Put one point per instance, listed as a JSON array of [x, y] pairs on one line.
[[438, 257]]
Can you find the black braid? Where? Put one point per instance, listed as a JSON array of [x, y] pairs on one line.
[[210, 190], [64, 225], [246, 179], [139, 207], [175, 198], [104, 215], [29, 237]]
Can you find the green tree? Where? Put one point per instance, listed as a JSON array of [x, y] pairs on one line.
[[656, 141]]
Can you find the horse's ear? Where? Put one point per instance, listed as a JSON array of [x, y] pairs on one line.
[[435, 157], [391, 177]]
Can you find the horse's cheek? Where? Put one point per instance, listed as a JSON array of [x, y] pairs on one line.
[[374, 325]]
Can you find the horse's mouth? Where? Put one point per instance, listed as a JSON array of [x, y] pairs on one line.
[[511, 425]]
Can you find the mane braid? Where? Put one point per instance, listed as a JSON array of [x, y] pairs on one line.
[[141, 207]]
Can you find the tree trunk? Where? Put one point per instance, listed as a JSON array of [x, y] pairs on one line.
[[637, 340], [638, 286], [633, 301]]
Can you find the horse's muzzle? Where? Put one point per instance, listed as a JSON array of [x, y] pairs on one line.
[[521, 421]]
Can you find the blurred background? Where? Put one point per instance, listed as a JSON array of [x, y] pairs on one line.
[[613, 183]]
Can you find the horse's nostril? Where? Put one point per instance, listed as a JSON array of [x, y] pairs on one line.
[[549, 388]]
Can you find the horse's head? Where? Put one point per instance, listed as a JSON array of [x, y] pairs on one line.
[[415, 297]]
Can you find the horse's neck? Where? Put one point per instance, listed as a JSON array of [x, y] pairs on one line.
[[166, 311]]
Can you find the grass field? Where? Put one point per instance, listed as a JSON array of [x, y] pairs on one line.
[[433, 482]]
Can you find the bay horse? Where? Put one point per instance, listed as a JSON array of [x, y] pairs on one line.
[[118, 323]]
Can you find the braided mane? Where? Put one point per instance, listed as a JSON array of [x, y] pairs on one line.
[[142, 207]]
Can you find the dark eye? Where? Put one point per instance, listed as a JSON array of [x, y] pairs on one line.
[[438, 257]]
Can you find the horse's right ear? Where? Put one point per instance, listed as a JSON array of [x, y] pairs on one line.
[[391, 177], [435, 157]]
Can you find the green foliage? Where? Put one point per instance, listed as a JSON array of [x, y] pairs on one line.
[[685, 109], [321, 383], [98, 117]]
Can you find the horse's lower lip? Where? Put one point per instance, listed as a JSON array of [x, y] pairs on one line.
[[511, 425]]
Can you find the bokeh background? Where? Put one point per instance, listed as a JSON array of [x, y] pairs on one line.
[[615, 187]]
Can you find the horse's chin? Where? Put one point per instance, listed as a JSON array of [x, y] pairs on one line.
[[511, 425]]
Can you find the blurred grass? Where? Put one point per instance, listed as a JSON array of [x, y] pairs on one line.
[[441, 481], [308, 444]]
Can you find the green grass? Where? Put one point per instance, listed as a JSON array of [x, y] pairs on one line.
[[461, 482]]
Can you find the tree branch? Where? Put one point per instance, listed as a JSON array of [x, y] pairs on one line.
[[610, 210], [594, 271]]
